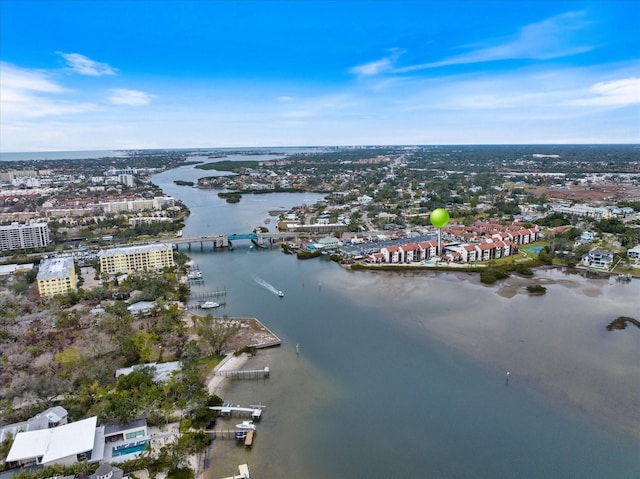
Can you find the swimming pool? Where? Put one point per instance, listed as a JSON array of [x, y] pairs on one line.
[[534, 249], [128, 448]]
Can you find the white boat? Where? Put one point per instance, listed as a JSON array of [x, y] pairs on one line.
[[209, 305], [194, 274], [281, 294], [246, 425]]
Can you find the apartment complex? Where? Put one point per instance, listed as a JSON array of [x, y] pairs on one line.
[[24, 236], [56, 276], [136, 258]]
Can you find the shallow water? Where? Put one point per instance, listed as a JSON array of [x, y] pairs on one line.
[[405, 374]]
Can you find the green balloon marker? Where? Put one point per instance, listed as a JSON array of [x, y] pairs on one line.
[[439, 217]]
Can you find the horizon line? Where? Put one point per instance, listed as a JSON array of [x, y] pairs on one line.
[[353, 145]]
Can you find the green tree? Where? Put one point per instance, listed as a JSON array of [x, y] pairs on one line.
[[217, 331], [70, 360]]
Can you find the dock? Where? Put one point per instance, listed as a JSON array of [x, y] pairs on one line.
[[227, 411], [243, 470], [199, 306], [208, 294], [248, 442], [246, 373], [231, 434]]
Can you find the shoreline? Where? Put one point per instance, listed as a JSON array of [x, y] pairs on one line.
[[215, 384]]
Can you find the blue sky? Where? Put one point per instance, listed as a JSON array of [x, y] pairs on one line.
[[118, 74]]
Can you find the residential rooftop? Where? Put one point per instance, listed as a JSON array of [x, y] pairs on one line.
[[55, 268]]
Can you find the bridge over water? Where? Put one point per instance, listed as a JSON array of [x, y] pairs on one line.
[[226, 241]]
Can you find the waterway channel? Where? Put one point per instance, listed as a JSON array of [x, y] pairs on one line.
[[404, 375]]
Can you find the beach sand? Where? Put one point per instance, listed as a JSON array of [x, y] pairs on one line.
[[229, 363]]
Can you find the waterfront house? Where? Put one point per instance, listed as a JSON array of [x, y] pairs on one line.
[[375, 258], [634, 253], [52, 417], [125, 441], [64, 445], [598, 258]]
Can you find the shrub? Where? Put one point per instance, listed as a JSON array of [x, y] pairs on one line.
[[536, 289], [491, 275], [523, 270], [308, 254]]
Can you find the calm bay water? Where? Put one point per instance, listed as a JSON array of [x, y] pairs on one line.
[[405, 375]]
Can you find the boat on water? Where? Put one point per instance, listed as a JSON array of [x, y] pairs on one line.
[[194, 275], [280, 293], [209, 305], [246, 425], [241, 435], [624, 277]]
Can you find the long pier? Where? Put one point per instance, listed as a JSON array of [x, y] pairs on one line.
[[208, 294], [246, 373]]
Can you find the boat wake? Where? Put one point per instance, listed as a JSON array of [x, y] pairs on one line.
[[268, 286]]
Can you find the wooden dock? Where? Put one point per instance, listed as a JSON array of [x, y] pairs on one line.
[[231, 434], [243, 470], [208, 294], [248, 442], [246, 373]]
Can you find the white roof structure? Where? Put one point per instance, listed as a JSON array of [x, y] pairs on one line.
[[7, 269], [55, 268], [161, 371], [55, 444], [44, 420], [147, 248]]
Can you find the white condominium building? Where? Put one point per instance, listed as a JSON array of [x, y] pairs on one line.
[[24, 236], [136, 258]]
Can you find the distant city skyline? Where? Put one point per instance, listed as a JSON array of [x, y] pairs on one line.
[[112, 75]]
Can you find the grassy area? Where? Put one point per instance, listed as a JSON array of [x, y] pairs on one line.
[[207, 364]]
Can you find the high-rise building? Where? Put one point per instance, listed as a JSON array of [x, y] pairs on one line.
[[24, 236], [136, 258]]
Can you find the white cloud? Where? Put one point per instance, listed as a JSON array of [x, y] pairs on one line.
[[17, 78], [123, 96], [379, 66], [615, 93], [85, 66], [551, 38], [33, 93]]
